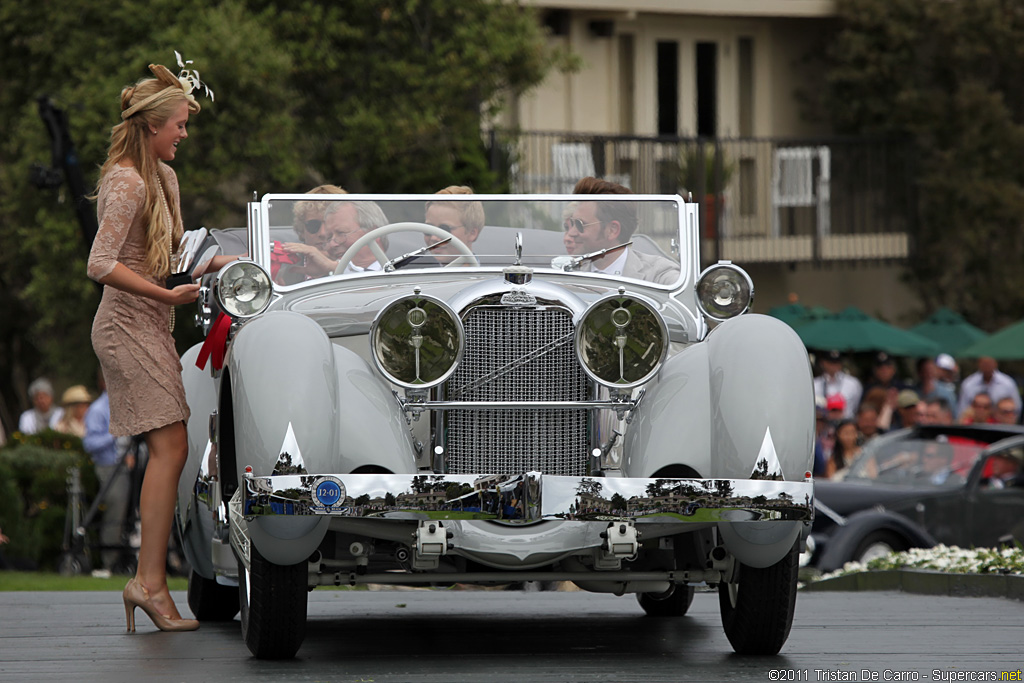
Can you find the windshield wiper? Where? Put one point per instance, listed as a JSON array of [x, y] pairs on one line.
[[568, 263], [399, 261]]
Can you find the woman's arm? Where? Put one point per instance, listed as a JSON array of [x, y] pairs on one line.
[[124, 278]]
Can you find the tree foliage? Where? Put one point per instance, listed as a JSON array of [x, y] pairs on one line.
[[946, 76], [373, 95]]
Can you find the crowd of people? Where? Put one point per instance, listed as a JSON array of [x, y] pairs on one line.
[[87, 417], [849, 412]]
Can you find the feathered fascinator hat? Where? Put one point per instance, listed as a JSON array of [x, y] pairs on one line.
[[184, 83]]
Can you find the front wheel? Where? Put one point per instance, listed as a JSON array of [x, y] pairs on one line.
[[757, 610], [675, 604], [272, 599]]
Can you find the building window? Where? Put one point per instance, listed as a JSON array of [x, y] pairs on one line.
[[626, 93], [668, 87], [746, 87], [707, 90]]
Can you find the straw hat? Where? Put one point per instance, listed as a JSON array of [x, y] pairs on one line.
[[76, 394]]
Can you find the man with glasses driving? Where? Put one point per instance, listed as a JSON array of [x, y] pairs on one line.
[[595, 225]]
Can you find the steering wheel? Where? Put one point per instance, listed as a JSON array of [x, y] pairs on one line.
[[372, 237]]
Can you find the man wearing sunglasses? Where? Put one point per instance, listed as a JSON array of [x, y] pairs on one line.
[[595, 225], [306, 259]]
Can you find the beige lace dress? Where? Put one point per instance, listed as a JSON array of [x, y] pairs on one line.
[[130, 332]]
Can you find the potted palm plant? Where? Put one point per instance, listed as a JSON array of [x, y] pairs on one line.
[[704, 172]]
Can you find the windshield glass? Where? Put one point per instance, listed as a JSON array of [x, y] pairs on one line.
[[943, 461], [310, 237]]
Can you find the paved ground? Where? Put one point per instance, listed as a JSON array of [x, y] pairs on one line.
[[382, 637]]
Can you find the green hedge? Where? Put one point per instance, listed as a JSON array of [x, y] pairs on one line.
[[34, 495]]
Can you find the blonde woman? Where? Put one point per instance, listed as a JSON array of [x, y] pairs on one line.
[[133, 253]]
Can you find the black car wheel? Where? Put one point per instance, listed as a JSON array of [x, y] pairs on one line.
[[210, 601], [757, 610], [272, 599], [878, 544], [675, 604]]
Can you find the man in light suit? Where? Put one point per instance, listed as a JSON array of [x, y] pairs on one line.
[[596, 225]]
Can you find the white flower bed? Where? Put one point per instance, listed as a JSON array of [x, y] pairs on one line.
[[942, 558]]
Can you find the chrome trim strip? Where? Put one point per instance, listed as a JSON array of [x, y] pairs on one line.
[[526, 498], [515, 405]]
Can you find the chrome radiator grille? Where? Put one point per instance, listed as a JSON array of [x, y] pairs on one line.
[[501, 363]]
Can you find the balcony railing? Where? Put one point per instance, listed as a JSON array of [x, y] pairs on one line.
[[762, 200]]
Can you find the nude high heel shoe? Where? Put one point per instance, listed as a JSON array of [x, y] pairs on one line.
[[135, 595]]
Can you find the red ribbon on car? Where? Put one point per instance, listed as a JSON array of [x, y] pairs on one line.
[[215, 344]]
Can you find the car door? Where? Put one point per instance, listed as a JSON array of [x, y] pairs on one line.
[[996, 494]]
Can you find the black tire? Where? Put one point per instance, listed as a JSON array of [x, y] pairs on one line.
[[757, 611], [675, 604], [210, 601], [876, 543], [272, 602]]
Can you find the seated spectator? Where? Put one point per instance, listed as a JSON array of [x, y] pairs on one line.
[[979, 411], [1006, 412], [834, 380], [835, 408], [867, 422], [883, 374], [38, 417], [937, 411], [75, 402], [988, 380], [909, 409], [307, 258], [844, 452], [462, 220], [929, 385], [884, 403]]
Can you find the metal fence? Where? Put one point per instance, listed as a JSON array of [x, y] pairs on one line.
[[767, 200]]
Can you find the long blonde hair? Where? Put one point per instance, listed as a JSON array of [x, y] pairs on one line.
[[129, 141]]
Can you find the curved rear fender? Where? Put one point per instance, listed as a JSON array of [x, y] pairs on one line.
[[760, 381]]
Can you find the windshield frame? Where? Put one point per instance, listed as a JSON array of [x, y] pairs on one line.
[[685, 236]]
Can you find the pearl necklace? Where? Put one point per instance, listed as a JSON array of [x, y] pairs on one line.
[[170, 238]]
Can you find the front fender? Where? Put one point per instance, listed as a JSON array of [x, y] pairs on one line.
[[844, 540], [301, 402], [714, 402], [719, 406]]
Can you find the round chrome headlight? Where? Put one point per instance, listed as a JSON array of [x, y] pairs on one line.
[[243, 289], [621, 340], [724, 291], [417, 341]]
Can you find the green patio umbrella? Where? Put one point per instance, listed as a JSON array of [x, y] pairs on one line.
[[1006, 344], [949, 330], [852, 330], [796, 315]]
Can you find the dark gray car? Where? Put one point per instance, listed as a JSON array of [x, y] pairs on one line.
[[957, 484]]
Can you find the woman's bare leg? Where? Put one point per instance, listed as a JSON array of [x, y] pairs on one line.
[[168, 450]]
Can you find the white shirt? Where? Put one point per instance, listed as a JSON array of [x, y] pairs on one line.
[[30, 422], [999, 387], [841, 383], [353, 268], [615, 267]]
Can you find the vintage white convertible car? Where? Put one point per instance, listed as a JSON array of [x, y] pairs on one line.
[[500, 410]]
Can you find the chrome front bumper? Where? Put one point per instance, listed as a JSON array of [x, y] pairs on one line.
[[526, 498]]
